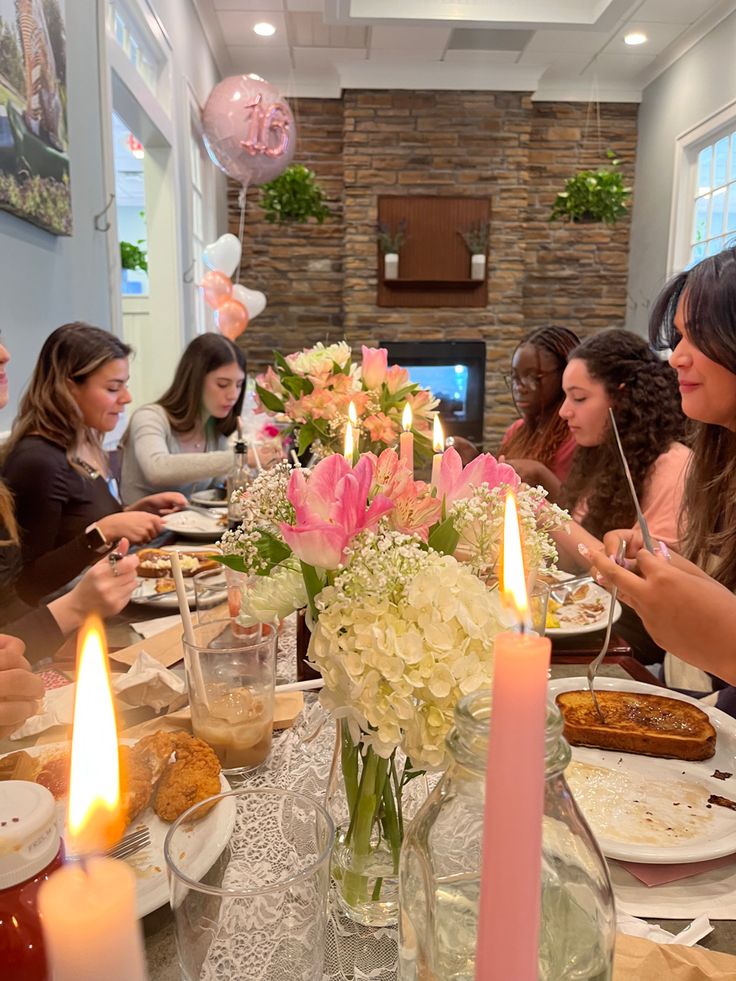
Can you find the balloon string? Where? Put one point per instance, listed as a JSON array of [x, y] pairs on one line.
[[241, 228]]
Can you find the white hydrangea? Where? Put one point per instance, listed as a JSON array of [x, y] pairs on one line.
[[397, 657], [268, 599], [315, 359]]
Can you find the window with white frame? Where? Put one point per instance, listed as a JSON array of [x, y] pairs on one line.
[[201, 208], [122, 27], [713, 223]]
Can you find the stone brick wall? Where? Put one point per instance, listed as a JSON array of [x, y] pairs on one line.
[[321, 280]]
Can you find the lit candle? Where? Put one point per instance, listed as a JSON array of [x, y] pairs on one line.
[[88, 908], [406, 440], [438, 445], [510, 888], [349, 443], [353, 420]]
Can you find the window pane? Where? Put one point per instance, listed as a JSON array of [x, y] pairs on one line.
[[733, 157], [696, 254], [705, 158], [700, 229], [715, 245], [731, 210], [716, 212], [721, 163]]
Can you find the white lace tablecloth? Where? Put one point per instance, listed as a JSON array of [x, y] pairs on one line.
[[300, 760]]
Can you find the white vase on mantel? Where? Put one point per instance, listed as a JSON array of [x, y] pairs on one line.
[[478, 266], [391, 265]]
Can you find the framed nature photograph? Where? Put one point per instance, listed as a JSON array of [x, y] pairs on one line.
[[34, 158]]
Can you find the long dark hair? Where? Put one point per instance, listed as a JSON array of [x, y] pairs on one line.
[[541, 438], [183, 399], [645, 399], [71, 353], [709, 312]]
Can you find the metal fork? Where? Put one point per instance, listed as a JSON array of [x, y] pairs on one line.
[[596, 662], [561, 590], [134, 842]]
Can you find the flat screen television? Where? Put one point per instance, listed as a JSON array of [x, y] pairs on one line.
[[455, 371]]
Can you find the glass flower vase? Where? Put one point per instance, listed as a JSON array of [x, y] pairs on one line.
[[365, 802]]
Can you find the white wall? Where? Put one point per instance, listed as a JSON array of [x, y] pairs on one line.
[[47, 280], [697, 85]]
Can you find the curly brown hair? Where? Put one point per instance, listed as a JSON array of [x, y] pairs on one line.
[[645, 399]]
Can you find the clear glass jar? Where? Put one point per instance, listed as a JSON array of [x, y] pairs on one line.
[[439, 877]]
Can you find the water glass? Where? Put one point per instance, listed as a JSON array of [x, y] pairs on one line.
[[260, 911], [210, 592], [231, 678], [538, 600]]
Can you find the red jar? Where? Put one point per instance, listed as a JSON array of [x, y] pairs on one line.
[[30, 850]]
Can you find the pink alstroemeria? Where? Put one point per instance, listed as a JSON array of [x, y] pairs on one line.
[[415, 510], [331, 507], [397, 378], [456, 483], [380, 428], [390, 476], [375, 365]]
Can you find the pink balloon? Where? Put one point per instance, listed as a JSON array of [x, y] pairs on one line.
[[217, 288], [231, 318], [249, 130]]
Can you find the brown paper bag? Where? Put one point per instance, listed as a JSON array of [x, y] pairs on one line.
[[644, 960]]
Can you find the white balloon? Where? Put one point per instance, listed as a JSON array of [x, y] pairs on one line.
[[253, 300], [224, 254]]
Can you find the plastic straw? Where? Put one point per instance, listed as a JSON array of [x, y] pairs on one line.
[[186, 619], [295, 458], [301, 685], [255, 454]]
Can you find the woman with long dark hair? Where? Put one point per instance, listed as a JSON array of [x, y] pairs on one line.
[[180, 442], [56, 470], [539, 445], [689, 607]]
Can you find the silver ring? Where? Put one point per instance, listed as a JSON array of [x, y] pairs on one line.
[[113, 558]]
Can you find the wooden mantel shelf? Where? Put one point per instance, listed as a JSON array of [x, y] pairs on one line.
[[435, 284]]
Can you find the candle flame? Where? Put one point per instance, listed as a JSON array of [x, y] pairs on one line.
[[353, 414], [349, 443], [513, 579], [438, 437], [407, 418], [94, 819]]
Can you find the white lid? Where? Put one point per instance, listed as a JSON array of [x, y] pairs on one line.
[[29, 835]]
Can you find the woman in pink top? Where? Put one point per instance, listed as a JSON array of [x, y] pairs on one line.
[[617, 369], [540, 442]]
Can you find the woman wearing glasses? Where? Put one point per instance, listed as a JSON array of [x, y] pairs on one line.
[[539, 445]]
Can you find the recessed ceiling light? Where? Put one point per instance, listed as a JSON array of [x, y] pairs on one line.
[[264, 29], [635, 37]]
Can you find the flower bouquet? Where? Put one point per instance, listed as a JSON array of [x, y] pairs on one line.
[[312, 390], [393, 571]]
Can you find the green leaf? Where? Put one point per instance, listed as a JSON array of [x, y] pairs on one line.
[[314, 585], [280, 361], [443, 537], [307, 436], [232, 562], [272, 402]]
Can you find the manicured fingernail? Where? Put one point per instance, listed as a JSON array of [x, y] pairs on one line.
[[583, 549], [665, 552], [598, 578]]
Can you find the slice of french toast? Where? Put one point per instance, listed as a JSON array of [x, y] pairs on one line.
[[155, 563], [635, 722]]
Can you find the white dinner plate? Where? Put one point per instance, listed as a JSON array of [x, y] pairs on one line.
[[569, 612], [145, 594], [207, 838], [198, 527], [213, 497], [649, 809]]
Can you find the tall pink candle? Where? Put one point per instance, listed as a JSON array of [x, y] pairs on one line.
[[406, 440], [507, 946]]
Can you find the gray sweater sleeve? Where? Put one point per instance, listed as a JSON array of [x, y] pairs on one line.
[[157, 458]]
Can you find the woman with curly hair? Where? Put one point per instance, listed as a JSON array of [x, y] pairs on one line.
[[539, 443]]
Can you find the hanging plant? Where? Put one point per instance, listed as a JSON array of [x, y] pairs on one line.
[[295, 196], [593, 195]]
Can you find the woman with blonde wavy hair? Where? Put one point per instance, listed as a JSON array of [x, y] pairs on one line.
[[105, 588], [54, 465]]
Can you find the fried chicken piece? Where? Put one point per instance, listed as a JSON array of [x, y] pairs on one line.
[[194, 776], [136, 784], [155, 751], [54, 774]]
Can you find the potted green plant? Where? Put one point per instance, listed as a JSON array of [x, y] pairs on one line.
[[294, 196], [390, 241], [593, 195], [476, 242], [132, 257]]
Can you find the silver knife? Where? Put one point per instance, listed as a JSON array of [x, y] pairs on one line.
[[648, 543]]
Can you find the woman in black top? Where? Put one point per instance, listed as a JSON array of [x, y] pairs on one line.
[[56, 469], [105, 588]]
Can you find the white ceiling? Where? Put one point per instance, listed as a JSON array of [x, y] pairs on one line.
[[557, 49]]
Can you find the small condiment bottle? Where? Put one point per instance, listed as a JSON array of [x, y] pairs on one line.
[[30, 850]]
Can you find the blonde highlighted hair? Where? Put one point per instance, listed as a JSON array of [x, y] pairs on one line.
[[7, 516], [71, 353]]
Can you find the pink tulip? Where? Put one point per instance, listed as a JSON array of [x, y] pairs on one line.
[[331, 507], [456, 483], [375, 365]]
